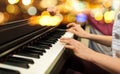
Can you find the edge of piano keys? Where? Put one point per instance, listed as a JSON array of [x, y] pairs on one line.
[[67, 35], [47, 66]]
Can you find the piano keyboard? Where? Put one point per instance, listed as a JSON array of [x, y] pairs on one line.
[[36, 58]]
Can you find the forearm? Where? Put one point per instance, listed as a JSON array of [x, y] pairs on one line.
[[106, 62], [105, 40]]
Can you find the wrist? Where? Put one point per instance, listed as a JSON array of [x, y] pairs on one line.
[[91, 55], [88, 55], [87, 36], [91, 36]]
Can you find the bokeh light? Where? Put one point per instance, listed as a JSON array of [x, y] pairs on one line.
[[27, 2], [79, 5], [12, 9], [81, 18], [98, 16], [71, 18], [13, 1], [32, 10], [45, 19], [56, 20], [2, 17], [107, 3], [34, 20], [109, 16], [47, 3]]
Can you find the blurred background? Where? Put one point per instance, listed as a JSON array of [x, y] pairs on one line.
[[70, 10], [17, 18]]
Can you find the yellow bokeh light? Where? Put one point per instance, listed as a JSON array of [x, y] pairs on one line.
[[7, 16], [98, 16], [45, 13], [12, 9], [2, 17], [107, 3], [13, 1], [34, 20], [44, 20], [71, 18], [56, 20], [109, 16], [47, 3]]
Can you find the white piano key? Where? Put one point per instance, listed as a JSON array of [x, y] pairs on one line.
[[68, 35], [46, 62]]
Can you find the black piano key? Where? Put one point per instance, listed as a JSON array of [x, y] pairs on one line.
[[42, 46], [16, 63], [53, 39], [33, 51], [50, 41], [8, 71], [44, 43], [24, 60], [47, 41], [56, 36], [28, 54], [37, 48]]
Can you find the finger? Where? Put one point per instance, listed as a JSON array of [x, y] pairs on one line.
[[69, 46], [71, 25], [71, 30], [64, 40], [69, 41]]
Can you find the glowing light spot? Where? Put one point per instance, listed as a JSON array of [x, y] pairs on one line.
[[98, 16], [116, 4], [107, 3], [13, 1], [45, 13], [34, 20], [79, 6], [97, 13], [71, 18], [81, 18], [109, 16], [12, 9], [55, 20], [47, 3], [32, 10], [2, 17], [7, 16], [44, 20], [26, 2]]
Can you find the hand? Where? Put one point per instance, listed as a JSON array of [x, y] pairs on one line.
[[77, 30], [52, 10], [78, 48]]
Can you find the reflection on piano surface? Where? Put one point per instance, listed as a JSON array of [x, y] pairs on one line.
[[26, 49]]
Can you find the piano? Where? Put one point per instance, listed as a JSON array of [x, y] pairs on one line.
[[26, 49]]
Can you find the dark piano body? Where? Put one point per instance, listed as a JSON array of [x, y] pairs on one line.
[[20, 39]]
